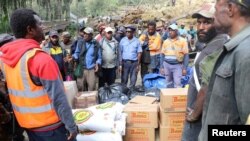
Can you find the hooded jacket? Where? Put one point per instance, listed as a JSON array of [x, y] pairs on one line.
[[44, 72]]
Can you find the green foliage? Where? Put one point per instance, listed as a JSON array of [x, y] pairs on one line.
[[93, 7], [4, 24], [78, 8], [72, 28]]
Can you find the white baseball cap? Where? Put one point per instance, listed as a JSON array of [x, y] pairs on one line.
[[88, 30], [109, 29], [173, 27]]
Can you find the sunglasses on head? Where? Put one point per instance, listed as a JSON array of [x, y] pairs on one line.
[[110, 32]]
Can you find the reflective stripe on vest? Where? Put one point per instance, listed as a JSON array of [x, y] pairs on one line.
[[27, 92], [32, 109], [31, 103]]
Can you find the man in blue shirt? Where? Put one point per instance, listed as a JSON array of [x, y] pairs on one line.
[[88, 53], [182, 31], [130, 56]]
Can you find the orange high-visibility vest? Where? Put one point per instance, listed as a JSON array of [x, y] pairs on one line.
[[31, 104]]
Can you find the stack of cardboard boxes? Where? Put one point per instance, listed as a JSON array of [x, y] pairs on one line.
[[85, 99], [172, 113], [142, 119]]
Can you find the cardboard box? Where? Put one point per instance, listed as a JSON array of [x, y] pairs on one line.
[[173, 100], [175, 119], [142, 115], [71, 91], [85, 99], [170, 133], [139, 134], [143, 100]]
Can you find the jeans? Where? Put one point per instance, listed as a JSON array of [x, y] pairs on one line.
[[129, 68], [59, 134]]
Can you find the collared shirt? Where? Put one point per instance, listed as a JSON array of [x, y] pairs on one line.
[[109, 53], [89, 56], [228, 98], [129, 49], [175, 49], [182, 31], [192, 33], [154, 42]]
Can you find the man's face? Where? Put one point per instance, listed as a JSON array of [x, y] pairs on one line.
[[81, 33], [66, 40], [205, 29], [222, 19], [38, 34], [151, 30], [172, 33], [109, 35], [54, 39], [87, 37], [129, 34]]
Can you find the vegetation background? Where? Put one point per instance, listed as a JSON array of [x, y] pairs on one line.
[[52, 10]]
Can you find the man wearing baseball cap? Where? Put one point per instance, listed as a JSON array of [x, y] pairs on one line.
[[88, 56], [130, 56], [227, 100], [109, 47], [174, 60], [203, 66], [56, 51]]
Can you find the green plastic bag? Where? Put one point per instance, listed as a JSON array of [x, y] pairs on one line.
[[79, 71]]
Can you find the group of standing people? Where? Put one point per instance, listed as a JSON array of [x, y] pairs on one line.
[[218, 93], [112, 52]]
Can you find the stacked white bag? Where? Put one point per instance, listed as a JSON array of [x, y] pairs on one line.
[[104, 122]]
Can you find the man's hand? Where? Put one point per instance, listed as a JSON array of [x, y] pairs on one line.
[[190, 117], [184, 72], [72, 136], [96, 68]]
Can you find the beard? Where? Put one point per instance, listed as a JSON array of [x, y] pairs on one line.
[[207, 36]]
